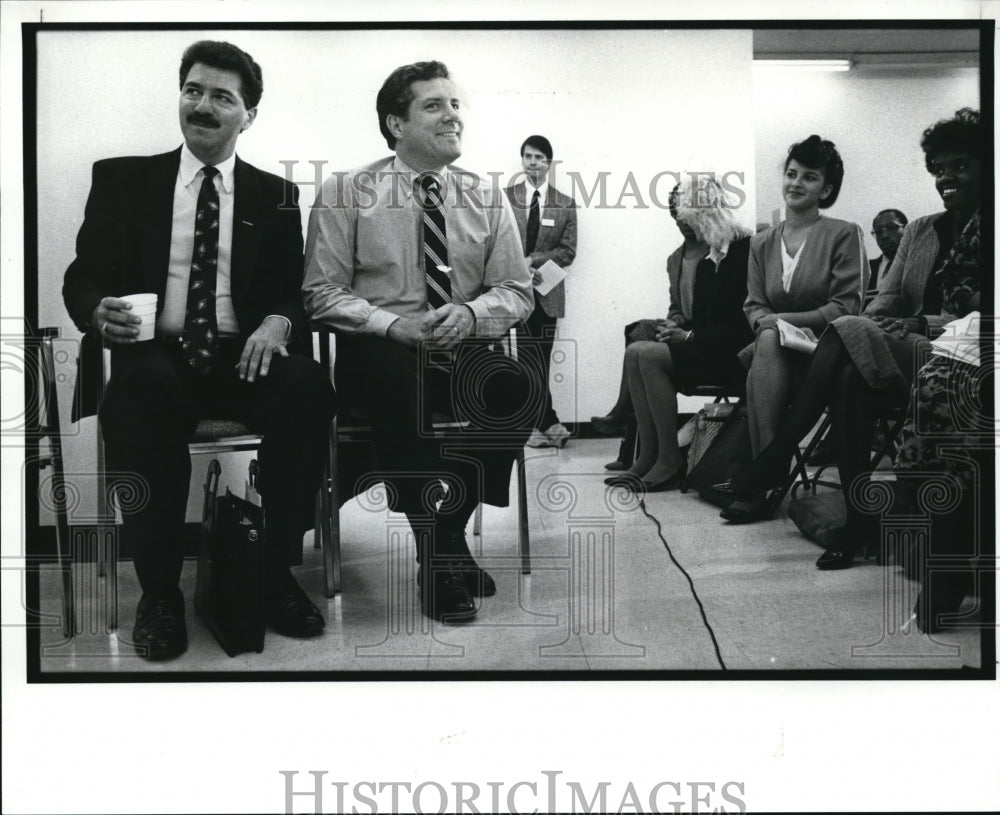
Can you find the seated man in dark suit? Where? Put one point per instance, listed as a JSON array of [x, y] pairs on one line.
[[418, 266], [887, 229], [220, 243]]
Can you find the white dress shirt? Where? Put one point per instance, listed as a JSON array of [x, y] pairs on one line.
[[186, 189], [529, 191]]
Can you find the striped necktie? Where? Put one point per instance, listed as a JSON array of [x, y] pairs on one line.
[[201, 331], [435, 242]]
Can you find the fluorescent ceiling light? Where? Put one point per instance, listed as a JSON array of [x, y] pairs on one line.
[[803, 64]]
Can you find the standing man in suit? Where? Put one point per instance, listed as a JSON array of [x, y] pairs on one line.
[[220, 243], [546, 220], [417, 265]]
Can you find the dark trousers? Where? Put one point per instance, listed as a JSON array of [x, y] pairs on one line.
[[400, 388], [541, 329], [153, 403]]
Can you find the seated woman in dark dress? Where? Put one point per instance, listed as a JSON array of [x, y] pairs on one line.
[[681, 267], [702, 353], [865, 364]]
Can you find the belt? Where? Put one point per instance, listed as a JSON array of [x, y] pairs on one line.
[[174, 340]]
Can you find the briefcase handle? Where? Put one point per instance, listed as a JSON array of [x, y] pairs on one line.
[[211, 491]]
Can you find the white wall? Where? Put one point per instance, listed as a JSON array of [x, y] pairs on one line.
[[875, 117], [629, 104]]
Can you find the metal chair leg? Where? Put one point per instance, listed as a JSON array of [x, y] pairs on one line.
[[331, 518], [523, 545], [64, 547], [477, 520]]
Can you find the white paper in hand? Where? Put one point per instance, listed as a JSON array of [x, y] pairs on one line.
[[798, 339], [552, 276]]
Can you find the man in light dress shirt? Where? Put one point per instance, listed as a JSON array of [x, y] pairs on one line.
[[418, 266], [245, 358]]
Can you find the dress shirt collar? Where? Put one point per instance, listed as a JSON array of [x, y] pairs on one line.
[[529, 191], [402, 168], [191, 164], [718, 255]]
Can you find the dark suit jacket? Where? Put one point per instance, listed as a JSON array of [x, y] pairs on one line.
[[717, 317], [556, 242], [123, 247]]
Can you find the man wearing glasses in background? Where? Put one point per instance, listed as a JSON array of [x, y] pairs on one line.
[[887, 229]]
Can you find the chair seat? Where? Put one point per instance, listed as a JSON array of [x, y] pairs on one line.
[[352, 420], [209, 430]]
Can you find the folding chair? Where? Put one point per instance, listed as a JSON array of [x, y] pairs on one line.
[[43, 422], [211, 437], [889, 420], [351, 427]]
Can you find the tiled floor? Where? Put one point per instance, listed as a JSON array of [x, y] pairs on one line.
[[603, 595]]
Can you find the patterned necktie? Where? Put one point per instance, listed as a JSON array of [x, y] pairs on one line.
[[201, 331], [435, 243], [532, 232]]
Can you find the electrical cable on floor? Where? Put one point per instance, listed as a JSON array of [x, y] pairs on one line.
[[701, 608]]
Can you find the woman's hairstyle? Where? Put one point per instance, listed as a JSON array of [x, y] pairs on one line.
[[820, 154], [702, 204], [960, 134]]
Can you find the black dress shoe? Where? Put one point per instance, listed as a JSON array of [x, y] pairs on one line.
[[608, 426], [835, 559], [447, 599], [477, 580], [760, 508], [616, 466], [289, 611], [160, 632]]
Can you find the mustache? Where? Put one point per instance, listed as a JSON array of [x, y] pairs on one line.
[[203, 121]]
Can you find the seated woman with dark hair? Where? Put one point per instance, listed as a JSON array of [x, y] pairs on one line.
[[807, 271], [703, 352], [865, 364]]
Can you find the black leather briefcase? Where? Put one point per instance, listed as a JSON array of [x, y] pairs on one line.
[[230, 583]]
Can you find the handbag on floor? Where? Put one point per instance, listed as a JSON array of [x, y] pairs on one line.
[[726, 449], [703, 428], [820, 516], [229, 589]]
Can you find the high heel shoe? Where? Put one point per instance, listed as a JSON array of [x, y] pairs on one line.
[[728, 488], [758, 508], [629, 480], [672, 482]]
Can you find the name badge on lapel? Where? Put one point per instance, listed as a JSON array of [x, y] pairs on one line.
[[548, 222]]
